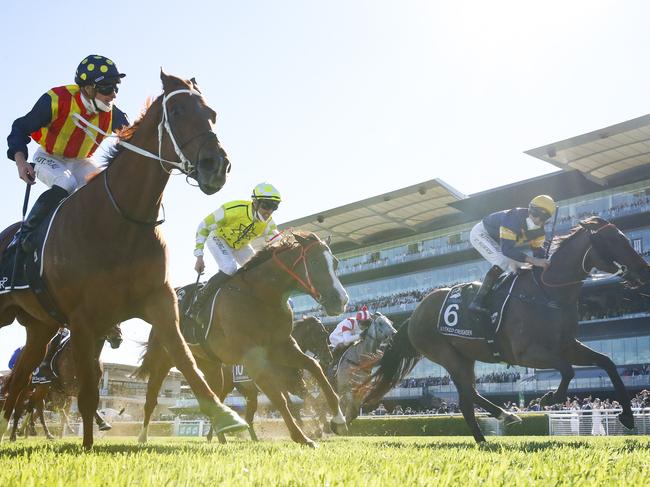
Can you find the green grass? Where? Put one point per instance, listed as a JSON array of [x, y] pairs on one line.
[[339, 461]]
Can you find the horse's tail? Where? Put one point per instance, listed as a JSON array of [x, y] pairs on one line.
[[398, 359], [147, 356]]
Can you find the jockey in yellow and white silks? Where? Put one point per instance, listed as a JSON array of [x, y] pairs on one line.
[[228, 232], [350, 329]]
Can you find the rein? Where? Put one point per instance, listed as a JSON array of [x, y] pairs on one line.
[[622, 269], [185, 165], [305, 283]]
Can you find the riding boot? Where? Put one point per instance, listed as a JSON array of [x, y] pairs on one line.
[[207, 293], [45, 203], [478, 303]]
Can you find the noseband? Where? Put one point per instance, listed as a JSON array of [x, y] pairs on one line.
[[306, 282]]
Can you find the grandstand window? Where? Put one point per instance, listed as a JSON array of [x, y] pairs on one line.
[[637, 243]]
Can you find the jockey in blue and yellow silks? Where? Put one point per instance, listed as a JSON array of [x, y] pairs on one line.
[[228, 233], [62, 122], [498, 235]]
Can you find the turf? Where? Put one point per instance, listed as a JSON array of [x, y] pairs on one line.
[[339, 461]]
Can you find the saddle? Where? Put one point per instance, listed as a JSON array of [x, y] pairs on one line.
[[458, 321]]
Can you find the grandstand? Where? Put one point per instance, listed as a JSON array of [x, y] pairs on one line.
[[396, 247]]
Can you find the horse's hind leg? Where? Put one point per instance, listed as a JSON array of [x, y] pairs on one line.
[[580, 354], [162, 364], [38, 336], [494, 410]]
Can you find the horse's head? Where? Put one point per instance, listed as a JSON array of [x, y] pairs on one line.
[[381, 328], [189, 121], [312, 337], [613, 252], [114, 337], [312, 264]]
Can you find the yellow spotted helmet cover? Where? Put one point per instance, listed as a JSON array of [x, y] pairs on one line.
[[266, 191], [95, 69]]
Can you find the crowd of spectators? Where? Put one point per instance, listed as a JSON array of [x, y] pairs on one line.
[[499, 377]]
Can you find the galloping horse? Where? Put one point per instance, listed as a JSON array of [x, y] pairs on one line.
[[538, 329], [311, 337], [251, 324], [353, 366], [63, 387], [105, 260]]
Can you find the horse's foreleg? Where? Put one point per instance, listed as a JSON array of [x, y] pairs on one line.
[[161, 310], [543, 358], [82, 341], [580, 354], [265, 380], [292, 356], [157, 374], [213, 373], [39, 407]]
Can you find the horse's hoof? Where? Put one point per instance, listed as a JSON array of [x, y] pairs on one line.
[[339, 428], [547, 399], [511, 419], [228, 420], [311, 444], [626, 420], [50, 437], [105, 427]]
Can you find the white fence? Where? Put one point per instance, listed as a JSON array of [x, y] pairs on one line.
[[596, 422]]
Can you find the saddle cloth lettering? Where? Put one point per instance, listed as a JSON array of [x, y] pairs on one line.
[[457, 320]]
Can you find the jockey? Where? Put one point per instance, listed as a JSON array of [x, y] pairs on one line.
[[64, 121], [350, 329], [497, 236], [227, 233]]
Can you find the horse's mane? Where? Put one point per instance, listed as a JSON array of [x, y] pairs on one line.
[[561, 240], [127, 133], [284, 241]]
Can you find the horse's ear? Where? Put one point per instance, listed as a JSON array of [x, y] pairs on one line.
[[195, 84], [328, 240]]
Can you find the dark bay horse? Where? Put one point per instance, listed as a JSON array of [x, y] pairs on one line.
[[251, 325], [539, 328], [105, 258], [58, 393], [311, 336]]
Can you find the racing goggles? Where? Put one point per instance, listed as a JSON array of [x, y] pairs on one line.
[[269, 204], [107, 89]]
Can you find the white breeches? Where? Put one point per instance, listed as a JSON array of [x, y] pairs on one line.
[[228, 259], [488, 248], [69, 174]]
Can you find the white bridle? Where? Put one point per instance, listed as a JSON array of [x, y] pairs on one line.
[[185, 165]]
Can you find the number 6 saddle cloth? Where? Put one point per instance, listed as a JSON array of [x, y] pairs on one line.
[[457, 320]]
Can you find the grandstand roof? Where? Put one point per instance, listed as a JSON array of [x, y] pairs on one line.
[[404, 212], [611, 156]]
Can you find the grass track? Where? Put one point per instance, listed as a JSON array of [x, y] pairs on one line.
[[375, 461]]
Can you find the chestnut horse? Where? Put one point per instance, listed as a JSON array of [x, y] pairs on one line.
[[63, 387], [251, 325], [311, 336], [105, 259], [538, 330]]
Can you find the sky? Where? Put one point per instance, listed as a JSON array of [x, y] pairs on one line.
[[337, 101]]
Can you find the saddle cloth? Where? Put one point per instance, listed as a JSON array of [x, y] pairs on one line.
[[9, 258], [455, 319]]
